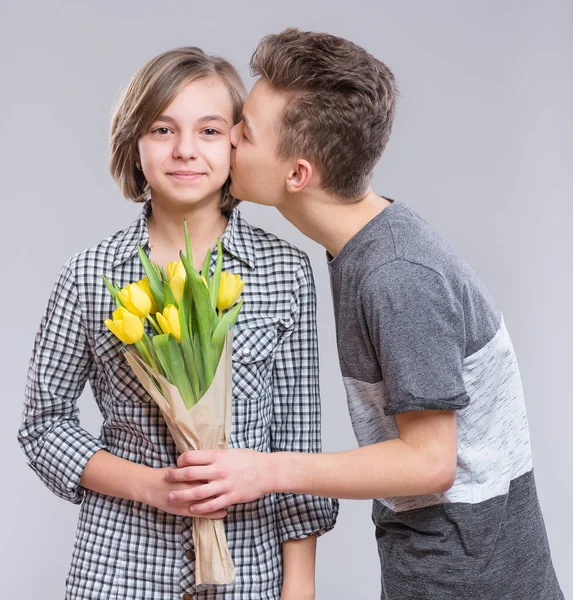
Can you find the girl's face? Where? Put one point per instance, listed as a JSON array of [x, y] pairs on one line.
[[185, 155]]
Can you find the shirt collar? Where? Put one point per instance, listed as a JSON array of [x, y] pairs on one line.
[[238, 239]]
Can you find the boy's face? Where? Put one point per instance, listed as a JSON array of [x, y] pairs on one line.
[[257, 174]]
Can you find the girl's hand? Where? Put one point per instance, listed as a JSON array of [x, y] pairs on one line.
[[155, 492]]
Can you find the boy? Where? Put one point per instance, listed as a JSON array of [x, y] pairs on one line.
[[433, 386]]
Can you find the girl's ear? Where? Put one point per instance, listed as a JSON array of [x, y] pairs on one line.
[[137, 160]]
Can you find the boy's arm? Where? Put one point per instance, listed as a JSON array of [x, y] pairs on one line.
[[421, 460], [416, 324]]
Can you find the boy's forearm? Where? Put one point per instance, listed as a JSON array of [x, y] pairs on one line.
[[299, 561], [391, 468], [421, 460]]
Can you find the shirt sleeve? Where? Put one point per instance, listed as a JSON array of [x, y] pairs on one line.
[[296, 425], [56, 447], [416, 325]]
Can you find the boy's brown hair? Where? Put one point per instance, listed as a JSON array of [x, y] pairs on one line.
[[340, 105], [150, 91]]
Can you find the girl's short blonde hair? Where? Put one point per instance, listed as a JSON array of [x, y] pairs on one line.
[[150, 91]]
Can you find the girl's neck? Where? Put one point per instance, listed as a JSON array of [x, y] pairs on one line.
[[205, 223]]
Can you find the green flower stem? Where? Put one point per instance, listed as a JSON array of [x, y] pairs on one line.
[[177, 364], [153, 277], [215, 282], [144, 352], [154, 324]]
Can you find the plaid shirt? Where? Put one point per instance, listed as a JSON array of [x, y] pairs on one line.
[[126, 549]]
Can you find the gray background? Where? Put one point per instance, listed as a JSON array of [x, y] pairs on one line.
[[482, 148]]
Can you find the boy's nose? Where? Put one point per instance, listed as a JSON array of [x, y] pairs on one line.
[[235, 134]]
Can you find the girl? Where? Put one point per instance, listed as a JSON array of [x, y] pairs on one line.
[[170, 150]]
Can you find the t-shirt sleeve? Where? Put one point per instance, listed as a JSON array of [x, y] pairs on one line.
[[417, 328]]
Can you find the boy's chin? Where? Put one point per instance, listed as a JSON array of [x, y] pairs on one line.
[[244, 196], [237, 193]]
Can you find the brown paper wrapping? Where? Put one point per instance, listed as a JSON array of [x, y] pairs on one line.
[[206, 426]]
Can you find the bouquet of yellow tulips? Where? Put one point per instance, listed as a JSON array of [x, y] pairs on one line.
[[185, 366]]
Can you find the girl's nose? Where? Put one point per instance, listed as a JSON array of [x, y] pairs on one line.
[[185, 148]]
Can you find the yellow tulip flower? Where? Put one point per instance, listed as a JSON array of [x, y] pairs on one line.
[[126, 326], [135, 299], [230, 288], [169, 321], [175, 269], [144, 285], [177, 286], [176, 277]]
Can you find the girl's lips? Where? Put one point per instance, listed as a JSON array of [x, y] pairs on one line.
[[185, 175]]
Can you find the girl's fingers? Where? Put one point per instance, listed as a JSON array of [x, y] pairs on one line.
[[210, 506], [183, 511], [220, 514]]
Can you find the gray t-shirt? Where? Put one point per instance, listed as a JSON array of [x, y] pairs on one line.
[[417, 330]]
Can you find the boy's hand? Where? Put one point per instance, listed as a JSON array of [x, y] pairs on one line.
[[156, 492], [232, 476]]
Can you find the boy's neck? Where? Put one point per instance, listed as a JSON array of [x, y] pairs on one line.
[[329, 221]]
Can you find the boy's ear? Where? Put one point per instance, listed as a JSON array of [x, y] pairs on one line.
[[299, 176]]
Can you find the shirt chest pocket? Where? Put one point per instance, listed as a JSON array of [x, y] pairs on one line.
[[115, 373], [253, 360]]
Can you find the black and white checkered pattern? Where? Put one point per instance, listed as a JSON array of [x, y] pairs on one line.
[[125, 549]]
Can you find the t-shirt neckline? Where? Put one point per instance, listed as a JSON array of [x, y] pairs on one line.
[[335, 262]]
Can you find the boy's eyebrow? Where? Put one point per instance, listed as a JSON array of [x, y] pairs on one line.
[[247, 125]]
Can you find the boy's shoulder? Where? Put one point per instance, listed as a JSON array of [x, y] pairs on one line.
[[416, 247], [426, 275]]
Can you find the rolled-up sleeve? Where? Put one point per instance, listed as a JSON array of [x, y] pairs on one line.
[[56, 447], [297, 420]]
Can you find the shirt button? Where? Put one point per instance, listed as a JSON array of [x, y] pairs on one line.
[[187, 596], [190, 554], [246, 351]]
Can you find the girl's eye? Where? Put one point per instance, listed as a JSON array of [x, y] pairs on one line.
[[161, 130], [210, 131]]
